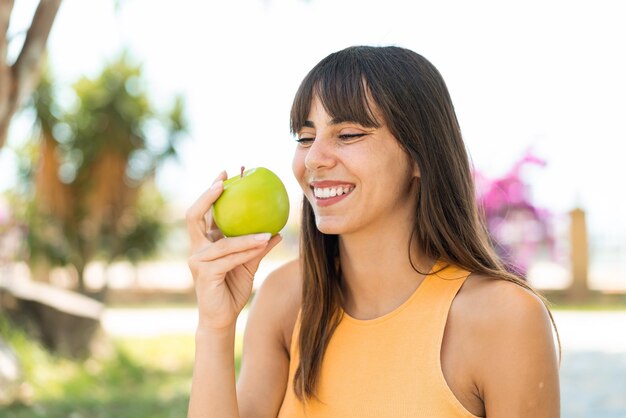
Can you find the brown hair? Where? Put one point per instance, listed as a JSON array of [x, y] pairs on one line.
[[412, 98]]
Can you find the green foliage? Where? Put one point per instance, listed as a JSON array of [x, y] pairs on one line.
[[149, 230], [87, 186], [136, 378], [132, 377]]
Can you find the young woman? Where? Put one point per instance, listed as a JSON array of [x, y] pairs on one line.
[[397, 305]]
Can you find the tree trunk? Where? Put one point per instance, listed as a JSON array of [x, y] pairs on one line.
[[18, 80], [6, 6]]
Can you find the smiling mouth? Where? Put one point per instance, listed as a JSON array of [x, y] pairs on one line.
[[328, 192]]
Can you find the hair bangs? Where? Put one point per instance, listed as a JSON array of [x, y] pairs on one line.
[[340, 83]]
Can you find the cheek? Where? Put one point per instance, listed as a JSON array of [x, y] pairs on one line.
[[401, 170]]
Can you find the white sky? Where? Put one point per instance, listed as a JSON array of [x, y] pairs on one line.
[[543, 74]]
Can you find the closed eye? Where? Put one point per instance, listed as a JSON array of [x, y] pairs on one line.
[[305, 141], [348, 137]]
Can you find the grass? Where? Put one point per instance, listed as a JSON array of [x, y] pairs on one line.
[[598, 303], [588, 307], [129, 378]]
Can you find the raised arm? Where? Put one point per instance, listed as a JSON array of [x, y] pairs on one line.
[[223, 270]]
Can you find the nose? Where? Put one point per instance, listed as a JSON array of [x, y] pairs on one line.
[[320, 154]]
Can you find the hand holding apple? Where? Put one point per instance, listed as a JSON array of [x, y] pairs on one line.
[[217, 260], [253, 202]]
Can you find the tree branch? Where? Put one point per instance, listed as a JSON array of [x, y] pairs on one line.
[[5, 74], [27, 66], [25, 71], [6, 6]]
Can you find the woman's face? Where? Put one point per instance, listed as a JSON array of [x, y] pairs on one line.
[[354, 177]]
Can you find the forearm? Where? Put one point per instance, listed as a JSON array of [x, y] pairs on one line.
[[213, 390]]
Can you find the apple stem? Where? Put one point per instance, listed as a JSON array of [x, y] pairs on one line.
[[242, 168]]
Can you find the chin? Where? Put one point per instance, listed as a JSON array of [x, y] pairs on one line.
[[328, 231], [330, 226]]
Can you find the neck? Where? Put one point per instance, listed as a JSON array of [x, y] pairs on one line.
[[377, 272]]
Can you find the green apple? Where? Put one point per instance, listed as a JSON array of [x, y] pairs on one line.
[[253, 202]]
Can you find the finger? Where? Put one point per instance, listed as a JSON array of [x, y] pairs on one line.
[[253, 265], [210, 222], [213, 232], [227, 263], [196, 222], [227, 246]]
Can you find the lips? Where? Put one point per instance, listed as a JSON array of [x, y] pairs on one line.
[[329, 192]]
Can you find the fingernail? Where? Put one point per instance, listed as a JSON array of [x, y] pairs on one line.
[[263, 237], [217, 184]]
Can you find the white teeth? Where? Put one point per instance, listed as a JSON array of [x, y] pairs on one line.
[[326, 192]]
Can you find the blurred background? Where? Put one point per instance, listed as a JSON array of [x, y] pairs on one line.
[[122, 112]]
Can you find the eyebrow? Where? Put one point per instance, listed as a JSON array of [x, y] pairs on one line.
[[334, 121]]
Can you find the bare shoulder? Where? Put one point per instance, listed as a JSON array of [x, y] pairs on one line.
[[494, 302], [283, 287], [491, 309], [278, 298], [512, 361], [285, 279]]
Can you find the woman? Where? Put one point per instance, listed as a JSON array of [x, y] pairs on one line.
[[397, 305]]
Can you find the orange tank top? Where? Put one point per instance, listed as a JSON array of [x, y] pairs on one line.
[[389, 366]]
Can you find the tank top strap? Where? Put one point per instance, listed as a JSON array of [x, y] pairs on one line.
[[440, 288]]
